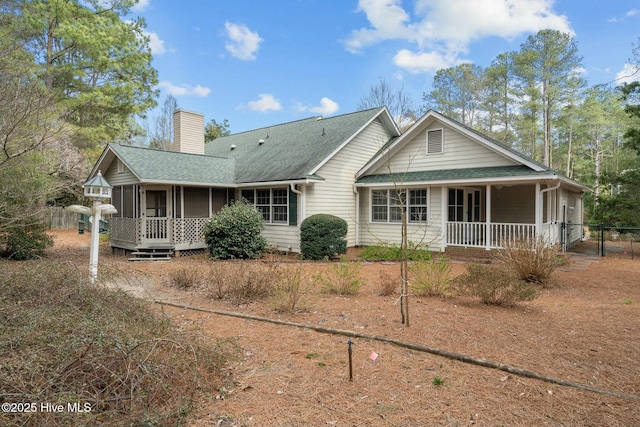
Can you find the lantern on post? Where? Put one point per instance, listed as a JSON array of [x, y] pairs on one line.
[[97, 189]]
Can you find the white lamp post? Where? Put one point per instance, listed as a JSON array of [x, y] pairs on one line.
[[98, 189]]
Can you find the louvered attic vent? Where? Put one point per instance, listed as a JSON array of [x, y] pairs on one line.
[[435, 141]]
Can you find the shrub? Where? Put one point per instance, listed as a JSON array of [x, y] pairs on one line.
[[431, 278], [185, 278], [242, 282], [323, 236], [292, 285], [64, 340], [234, 232], [495, 285], [27, 243], [343, 278], [387, 284], [392, 252], [534, 260]]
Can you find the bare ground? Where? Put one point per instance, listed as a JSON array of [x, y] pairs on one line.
[[585, 328]]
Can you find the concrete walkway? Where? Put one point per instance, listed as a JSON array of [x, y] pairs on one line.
[[579, 262]]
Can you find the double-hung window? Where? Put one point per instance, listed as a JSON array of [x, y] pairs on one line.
[[387, 205], [273, 203]]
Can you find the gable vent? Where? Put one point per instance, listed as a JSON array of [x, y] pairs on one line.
[[434, 141]]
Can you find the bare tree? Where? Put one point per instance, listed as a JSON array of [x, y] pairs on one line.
[[161, 132], [397, 101]]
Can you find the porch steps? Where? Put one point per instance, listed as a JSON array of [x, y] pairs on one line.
[[152, 254]]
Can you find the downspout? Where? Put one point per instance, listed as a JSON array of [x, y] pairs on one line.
[[302, 207]]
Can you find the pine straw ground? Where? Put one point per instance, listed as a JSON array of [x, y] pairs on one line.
[[585, 328]]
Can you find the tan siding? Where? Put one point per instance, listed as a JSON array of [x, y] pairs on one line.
[[335, 195], [373, 233], [188, 132], [459, 152]]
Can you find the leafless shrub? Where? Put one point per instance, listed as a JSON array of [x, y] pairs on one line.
[[387, 284], [495, 285], [242, 282], [293, 284], [185, 278], [534, 260]]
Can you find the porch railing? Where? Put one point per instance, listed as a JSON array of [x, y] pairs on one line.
[[176, 231], [189, 230], [474, 234], [125, 230]]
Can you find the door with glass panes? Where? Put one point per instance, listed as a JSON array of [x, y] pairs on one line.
[[465, 205]]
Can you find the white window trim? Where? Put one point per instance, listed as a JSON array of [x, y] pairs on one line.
[[271, 204], [427, 142], [407, 205]]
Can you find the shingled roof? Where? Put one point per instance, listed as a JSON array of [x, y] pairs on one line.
[[288, 151], [151, 165]]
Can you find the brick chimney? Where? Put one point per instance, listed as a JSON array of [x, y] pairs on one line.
[[188, 132]]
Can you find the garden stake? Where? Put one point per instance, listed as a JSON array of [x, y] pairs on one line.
[[349, 343]]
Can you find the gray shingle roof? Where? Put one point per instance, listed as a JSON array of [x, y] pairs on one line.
[[290, 150], [170, 166], [452, 174]]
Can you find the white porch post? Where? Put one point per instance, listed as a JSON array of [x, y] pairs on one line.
[[487, 214], [444, 213], [538, 217]]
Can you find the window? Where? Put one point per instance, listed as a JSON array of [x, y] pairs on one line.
[[120, 167], [435, 141], [387, 205], [273, 203]]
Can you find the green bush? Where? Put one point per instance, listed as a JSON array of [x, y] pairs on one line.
[[495, 285], [431, 278], [24, 244], [343, 278], [234, 232], [323, 236], [392, 252]]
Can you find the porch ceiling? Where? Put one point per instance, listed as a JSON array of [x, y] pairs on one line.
[[517, 171]]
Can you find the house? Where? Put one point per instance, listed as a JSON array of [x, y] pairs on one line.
[[459, 188]]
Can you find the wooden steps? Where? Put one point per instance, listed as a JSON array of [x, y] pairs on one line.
[[153, 253]]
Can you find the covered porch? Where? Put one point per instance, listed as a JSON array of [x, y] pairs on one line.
[[485, 216], [163, 217]]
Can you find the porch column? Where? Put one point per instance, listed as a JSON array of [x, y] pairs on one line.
[[538, 217], [487, 215]]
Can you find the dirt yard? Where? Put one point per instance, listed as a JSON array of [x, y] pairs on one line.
[[585, 329]]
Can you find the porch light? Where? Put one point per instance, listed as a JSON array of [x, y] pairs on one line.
[[98, 189]]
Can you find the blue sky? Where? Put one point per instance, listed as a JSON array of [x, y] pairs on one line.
[[258, 62]]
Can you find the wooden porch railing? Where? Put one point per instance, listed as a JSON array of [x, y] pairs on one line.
[[474, 234], [176, 231]]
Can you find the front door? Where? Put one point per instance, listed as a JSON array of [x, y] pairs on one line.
[[156, 216], [464, 205]]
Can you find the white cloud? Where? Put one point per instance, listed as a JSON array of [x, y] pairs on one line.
[[243, 43], [444, 29], [327, 107], [266, 102], [423, 62], [156, 45], [630, 73], [141, 5], [633, 12], [184, 90]]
